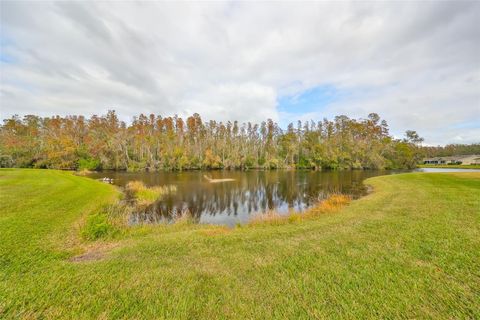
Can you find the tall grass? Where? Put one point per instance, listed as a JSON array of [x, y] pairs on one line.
[[331, 204], [144, 195], [83, 172], [111, 219], [108, 221]]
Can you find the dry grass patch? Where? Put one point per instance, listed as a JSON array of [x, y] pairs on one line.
[[271, 217], [147, 195], [83, 172], [95, 252], [330, 205], [215, 231]]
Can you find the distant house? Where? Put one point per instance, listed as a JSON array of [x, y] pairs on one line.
[[462, 160], [473, 159]]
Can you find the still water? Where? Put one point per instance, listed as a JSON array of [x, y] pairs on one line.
[[251, 192]]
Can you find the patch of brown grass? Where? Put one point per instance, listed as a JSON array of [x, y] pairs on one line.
[[215, 231], [184, 218], [94, 252], [269, 217], [135, 186], [83, 172], [330, 205]]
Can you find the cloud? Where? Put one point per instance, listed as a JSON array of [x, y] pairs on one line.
[[414, 63], [249, 102]]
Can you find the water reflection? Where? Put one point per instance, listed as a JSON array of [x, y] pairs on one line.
[[235, 201]]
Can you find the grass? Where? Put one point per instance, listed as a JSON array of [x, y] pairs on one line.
[[332, 204], [147, 195], [450, 166], [408, 250], [83, 172]]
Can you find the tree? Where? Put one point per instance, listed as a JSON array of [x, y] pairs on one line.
[[413, 137], [153, 142]]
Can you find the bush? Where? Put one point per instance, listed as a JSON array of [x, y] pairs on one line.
[[89, 164], [136, 166], [107, 222], [97, 226], [6, 161], [272, 164]]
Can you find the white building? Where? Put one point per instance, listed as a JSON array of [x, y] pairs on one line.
[[462, 160]]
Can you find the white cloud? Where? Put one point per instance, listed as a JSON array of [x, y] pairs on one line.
[[414, 63], [246, 101]]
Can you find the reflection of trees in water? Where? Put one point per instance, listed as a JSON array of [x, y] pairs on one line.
[[251, 192]]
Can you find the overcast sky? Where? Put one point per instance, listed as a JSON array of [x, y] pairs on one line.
[[417, 64]]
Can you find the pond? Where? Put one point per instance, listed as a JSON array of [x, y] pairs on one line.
[[250, 192]]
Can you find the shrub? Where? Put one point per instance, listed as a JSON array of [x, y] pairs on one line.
[[6, 161], [107, 222], [136, 166], [97, 226], [272, 164], [89, 164]]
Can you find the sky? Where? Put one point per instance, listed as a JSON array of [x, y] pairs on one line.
[[416, 64]]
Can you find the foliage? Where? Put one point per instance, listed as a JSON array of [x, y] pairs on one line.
[[6, 161], [89, 164], [97, 226], [170, 143], [451, 150]]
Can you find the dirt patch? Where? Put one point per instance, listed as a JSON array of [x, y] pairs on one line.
[[89, 256], [369, 189], [95, 252]]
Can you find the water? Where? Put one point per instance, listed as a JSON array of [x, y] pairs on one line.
[[252, 192]]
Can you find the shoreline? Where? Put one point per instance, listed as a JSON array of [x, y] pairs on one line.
[[414, 239]]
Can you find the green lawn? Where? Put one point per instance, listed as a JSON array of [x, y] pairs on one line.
[[409, 250], [450, 166]]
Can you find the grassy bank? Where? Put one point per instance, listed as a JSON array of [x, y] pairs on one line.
[[409, 250], [448, 166]]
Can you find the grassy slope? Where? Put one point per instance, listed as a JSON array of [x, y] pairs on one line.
[[408, 250]]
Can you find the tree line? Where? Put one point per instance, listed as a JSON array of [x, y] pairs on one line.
[[171, 143], [451, 150]]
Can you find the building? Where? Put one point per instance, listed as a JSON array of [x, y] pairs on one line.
[[460, 160]]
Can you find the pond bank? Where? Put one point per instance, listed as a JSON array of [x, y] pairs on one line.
[[233, 197], [410, 248]]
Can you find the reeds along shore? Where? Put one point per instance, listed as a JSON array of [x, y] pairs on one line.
[[330, 205]]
